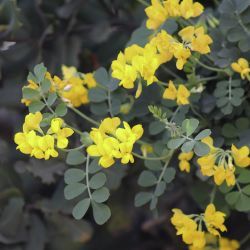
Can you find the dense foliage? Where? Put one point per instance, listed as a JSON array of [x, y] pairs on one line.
[[138, 121]]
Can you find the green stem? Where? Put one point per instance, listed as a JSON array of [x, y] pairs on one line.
[[87, 177], [213, 193], [169, 157], [73, 149], [85, 116], [150, 158], [143, 2], [209, 67], [175, 113]]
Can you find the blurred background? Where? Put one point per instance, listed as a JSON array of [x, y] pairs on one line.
[[34, 214]]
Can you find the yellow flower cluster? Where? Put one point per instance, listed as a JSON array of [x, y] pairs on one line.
[[73, 88], [112, 142], [213, 243], [191, 232], [219, 163], [34, 142], [184, 158], [242, 67], [181, 95], [160, 11], [142, 63]]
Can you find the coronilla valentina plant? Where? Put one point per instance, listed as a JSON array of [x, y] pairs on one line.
[[158, 107]]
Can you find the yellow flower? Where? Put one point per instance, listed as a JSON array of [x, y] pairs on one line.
[[112, 142], [156, 13], [181, 53], [207, 164], [60, 133], [89, 80], [75, 92], [109, 125], [230, 177], [184, 158], [163, 42], [196, 39], [32, 122], [187, 227], [170, 92], [189, 9], [227, 244], [68, 72], [47, 144], [241, 156], [214, 220], [242, 67], [124, 72], [182, 95]]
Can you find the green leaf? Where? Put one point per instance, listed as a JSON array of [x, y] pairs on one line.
[[61, 109], [147, 179], [75, 158], [204, 133], [101, 195], [188, 146], [224, 188], [189, 126], [246, 190], [244, 176], [201, 149], [169, 175], [176, 143], [45, 85], [101, 212], [81, 208], [156, 127], [102, 77], [229, 131], [30, 94], [160, 188], [40, 72], [142, 198], [36, 106], [97, 95], [73, 190], [94, 167], [74, 175], [243, 204], [97, 181], [51, 98], [153, 165], [232, 197]]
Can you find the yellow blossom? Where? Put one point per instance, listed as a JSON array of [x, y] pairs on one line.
[[89, 80], [196, 39], [170, 92], [190, 9], [242, 67], [156, 13], [32, 122], [241, 156], [113, 142], [68, 72], [214, 220], [181, 53], [184, 158], [227, 244], [182, 95]]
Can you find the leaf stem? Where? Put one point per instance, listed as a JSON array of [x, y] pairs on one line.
[[213, 193], [209, 67], [84, 116], [143, 2], [150, 158], [110, 104], [245, 239], [87, 176]]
